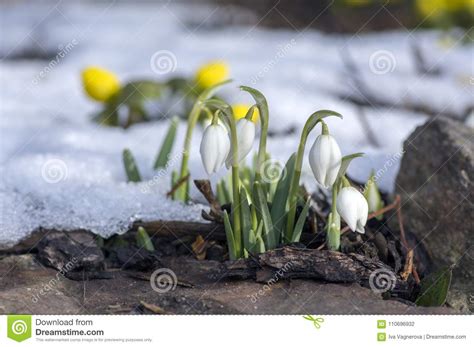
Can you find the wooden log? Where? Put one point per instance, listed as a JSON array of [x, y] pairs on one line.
[[290, 262]]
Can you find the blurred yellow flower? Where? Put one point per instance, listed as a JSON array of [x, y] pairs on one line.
[[240, 111], [100, 84], [212, 73], [435, 8]]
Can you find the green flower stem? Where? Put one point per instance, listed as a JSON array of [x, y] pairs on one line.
[[180, 193], [262, 146], [334, 223], [312, 121], [262, 106], [235, 187]]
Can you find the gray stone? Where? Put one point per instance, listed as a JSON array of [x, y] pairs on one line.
[[436, 184]]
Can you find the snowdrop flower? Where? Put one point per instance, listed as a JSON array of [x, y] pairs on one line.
[[245, 137], [325, 159], [352, 207], [215, 146]]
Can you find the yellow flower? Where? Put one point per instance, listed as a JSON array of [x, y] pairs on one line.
[[100, 84], [435, 8], [212, 73], [240, 111]]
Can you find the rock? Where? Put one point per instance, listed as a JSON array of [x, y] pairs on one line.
[[70, 251], [42, 290], [436, 184]]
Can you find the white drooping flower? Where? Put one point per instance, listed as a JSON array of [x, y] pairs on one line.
[[245, 137], [352, 207], [325, 160], [215, 146]]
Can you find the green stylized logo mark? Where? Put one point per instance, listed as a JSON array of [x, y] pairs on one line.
[[381, 337], [316, 320], [19, 327], [381, 324]]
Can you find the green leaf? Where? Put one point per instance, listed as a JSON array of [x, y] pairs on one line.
[[317, 116], [167, 145], [143, 240], [264, 214], [220, 193], [434, 288], [131, 169], [246, 220], [280, 197], [135, 93], [300, 222], [345, 161], [230, 237], [260, 100], [260, 245]]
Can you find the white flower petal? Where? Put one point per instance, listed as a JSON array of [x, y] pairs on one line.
[[325, 160], [214, 148], [346, 205], [245, 138]]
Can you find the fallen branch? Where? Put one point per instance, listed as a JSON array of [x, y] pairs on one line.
[[177, 185], [290, 262]]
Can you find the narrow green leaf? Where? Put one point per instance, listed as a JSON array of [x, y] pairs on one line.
[[318, 116], [131, 168], [279, 202], [345, 161], [259, 99], [167, 145], [230, 237], [300, 222], [220, 193], [227, 191], [260, 245], [264, 214], [434, 288], [253, 214], [143, 240], [245, 220]]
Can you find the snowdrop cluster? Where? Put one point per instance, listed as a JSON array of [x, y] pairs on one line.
[[263, 216]]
